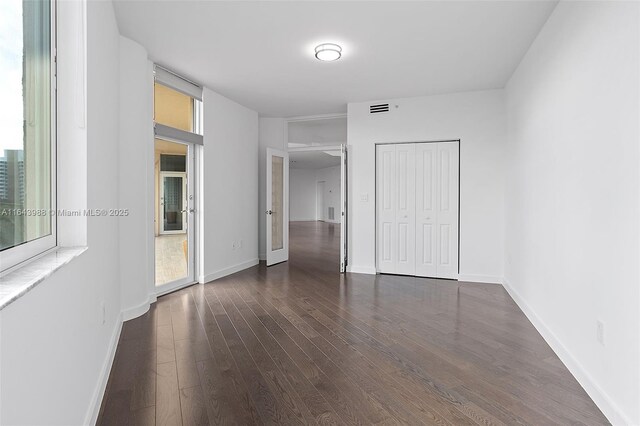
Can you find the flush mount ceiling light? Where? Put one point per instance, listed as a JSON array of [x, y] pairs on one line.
[[328, 52]]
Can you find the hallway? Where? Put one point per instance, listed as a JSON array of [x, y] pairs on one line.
[[298, 343]]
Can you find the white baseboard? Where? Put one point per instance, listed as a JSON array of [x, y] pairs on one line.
[[230, 270], [609, 408], [361, 269], [262, 256], [488, 279], [98, 394], [136, 311]]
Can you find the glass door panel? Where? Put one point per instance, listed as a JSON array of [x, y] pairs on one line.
[[174, 263], [173, 201], [277, 214], [277, 189]]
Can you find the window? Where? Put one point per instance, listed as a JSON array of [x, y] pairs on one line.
[[27, 120], [177, 109]]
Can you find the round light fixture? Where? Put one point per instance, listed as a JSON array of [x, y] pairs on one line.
[[328, 52]]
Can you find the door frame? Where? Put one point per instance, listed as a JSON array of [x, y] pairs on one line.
[[192, 182], [375, 194], [183, 175], [344, 198]]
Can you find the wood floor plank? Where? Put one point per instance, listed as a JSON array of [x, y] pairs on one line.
[[226, 393], [194, 412], [267, 403], [299, 343], [309, 395], [168, 410]]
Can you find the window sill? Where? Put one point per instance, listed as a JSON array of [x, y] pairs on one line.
[[25, 278]]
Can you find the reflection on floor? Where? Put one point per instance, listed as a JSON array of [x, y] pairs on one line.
[[299, 343], [171, 258], [315, 243]]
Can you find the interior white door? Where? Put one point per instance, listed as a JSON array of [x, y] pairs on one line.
[[277, 214], [386, 208], [343, 212], [405, 209], [426, 189], [447, 204]]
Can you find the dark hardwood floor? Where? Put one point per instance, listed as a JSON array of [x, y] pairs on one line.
[[298, 343]]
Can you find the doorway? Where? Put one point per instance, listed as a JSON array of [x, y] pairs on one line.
[[314, 191], [174, 257], [177, 114], [317, 202], [320, 188]]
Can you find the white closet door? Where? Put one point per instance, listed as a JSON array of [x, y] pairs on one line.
[[405, 209], [447, 209], [386, 207], [426, 190]]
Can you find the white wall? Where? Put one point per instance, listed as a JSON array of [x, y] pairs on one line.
[[329, 131], [54, 346], [478, 120], [332, 189], [55, 351], [135, 179], [572, 196], [271, 135], [303, 193], [230, 186]]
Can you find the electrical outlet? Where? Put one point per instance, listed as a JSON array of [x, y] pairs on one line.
[[239, 244], [103, 313], [364, 197], [600, 332]]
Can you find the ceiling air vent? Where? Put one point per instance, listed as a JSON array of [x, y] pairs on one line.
[[373, 109]]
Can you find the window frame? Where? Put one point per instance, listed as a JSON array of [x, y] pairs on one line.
[[13, 257]]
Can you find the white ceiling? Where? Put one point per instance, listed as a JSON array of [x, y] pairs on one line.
[[260, 54], [313, 159]]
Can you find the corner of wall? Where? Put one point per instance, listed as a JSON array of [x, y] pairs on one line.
[[609, 408], [93, 412]]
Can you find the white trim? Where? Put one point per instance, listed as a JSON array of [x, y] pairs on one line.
[[361, 270], [171, 134], [317, 148], [171, 287], [262, 256], [487, 279], [170, 79], [228, 271], [609, 408], [98, 394], [316, 117], [141, 309]]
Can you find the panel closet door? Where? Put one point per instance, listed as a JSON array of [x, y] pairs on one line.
[[426, 211], [386, 208], [406, 209], [417, 209], [447, 204], [396, 209]]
